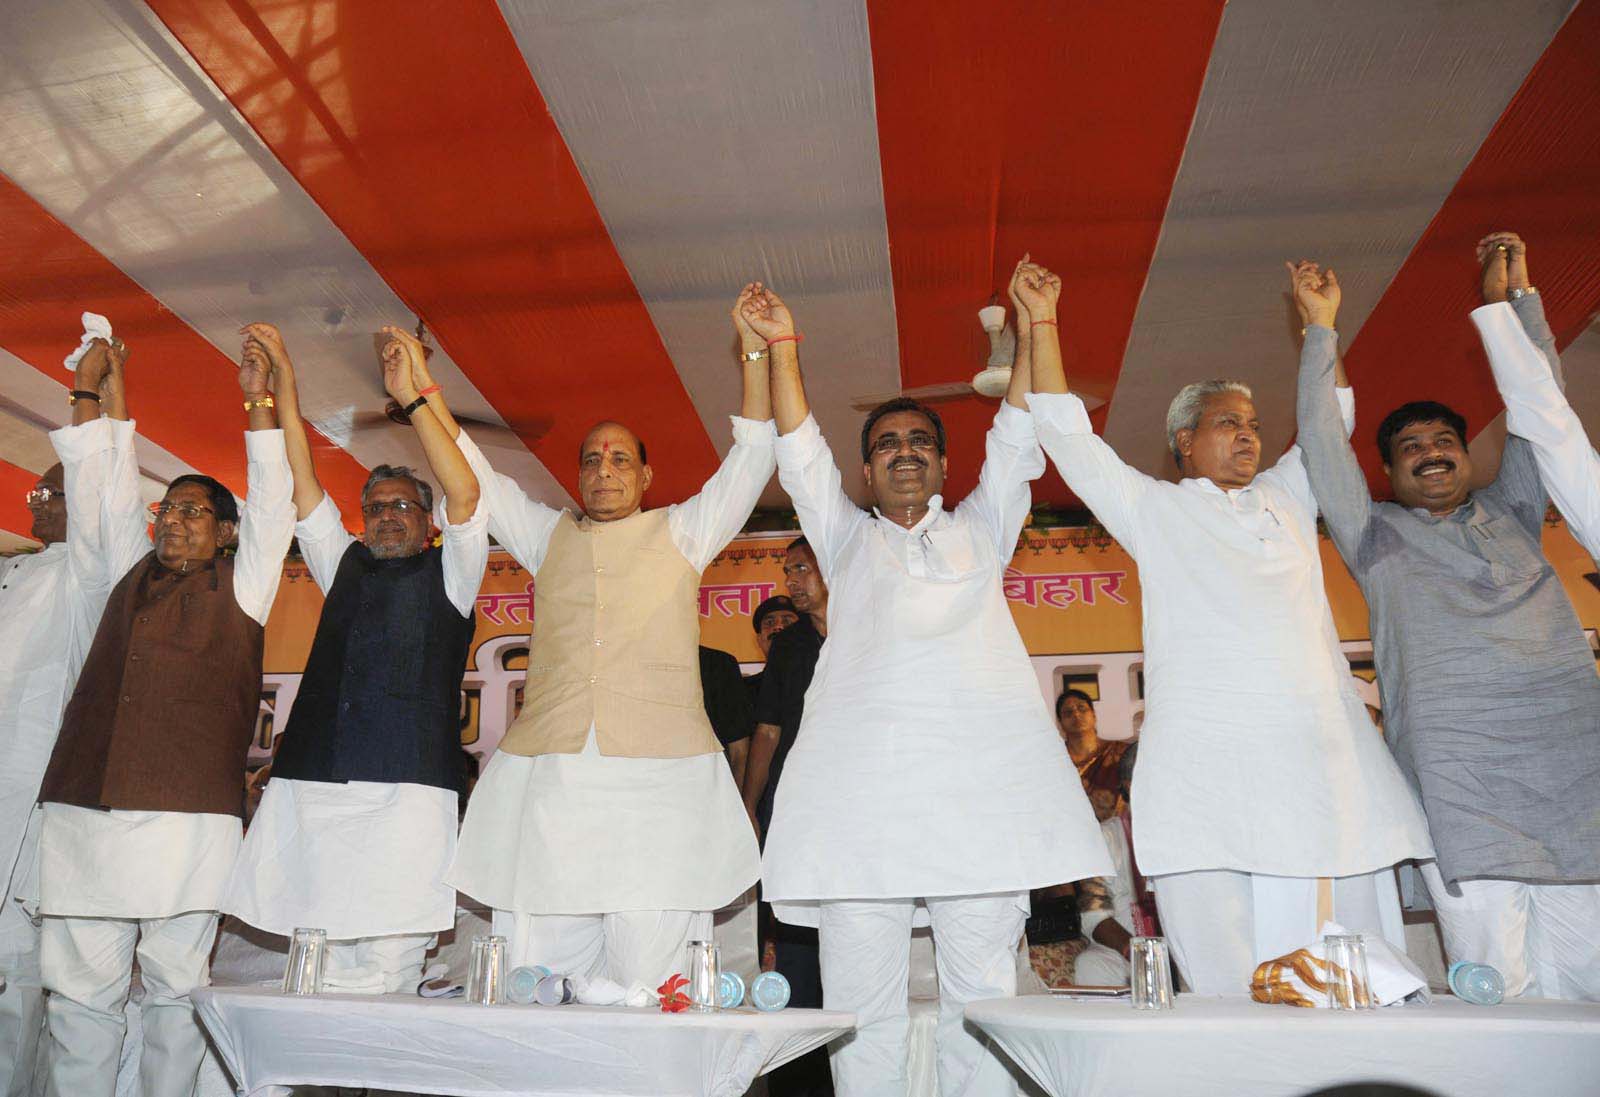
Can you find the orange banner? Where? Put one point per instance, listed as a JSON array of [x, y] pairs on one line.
[[1073, 592]]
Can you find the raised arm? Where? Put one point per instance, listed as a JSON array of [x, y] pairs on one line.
[[262, 342], [402, 357], [1091, 468], [703, 525], [1012, 457], [1336, 478], [266, 522], [1519, 482], [1022, 355], [806, 468], [123, 521]]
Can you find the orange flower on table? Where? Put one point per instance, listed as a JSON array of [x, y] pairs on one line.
[[673, 999]]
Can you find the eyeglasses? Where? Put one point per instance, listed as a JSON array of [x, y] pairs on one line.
[[402, 507], [38, 497], [918, 439], [187, 511]]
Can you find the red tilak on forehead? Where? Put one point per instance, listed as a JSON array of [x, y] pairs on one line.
[[605, 449]]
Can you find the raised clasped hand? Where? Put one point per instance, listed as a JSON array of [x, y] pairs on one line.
[[765, 312]]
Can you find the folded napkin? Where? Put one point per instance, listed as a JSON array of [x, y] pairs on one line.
[[1300, 978], [95, 327]]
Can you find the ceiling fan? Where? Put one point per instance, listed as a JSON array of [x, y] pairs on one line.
[[991, 381], [520, 434]]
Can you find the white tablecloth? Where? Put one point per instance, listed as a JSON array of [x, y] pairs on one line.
[[1231, 1047], [268, 1040]]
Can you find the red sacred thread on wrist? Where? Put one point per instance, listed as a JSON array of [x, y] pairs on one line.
[[1036, 323], [429, 391], [795, 338]]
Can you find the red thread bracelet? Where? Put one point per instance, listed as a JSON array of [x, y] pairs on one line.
[[795, 338], [429, 391], [1036, 323]]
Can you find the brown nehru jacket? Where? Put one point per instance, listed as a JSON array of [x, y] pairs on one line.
[[163, 712], [616, 635]]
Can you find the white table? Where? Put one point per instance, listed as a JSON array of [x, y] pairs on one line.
[[411, 1044], [1233, 1047]]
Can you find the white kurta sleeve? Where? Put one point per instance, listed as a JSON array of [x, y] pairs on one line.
[[86, 452], [1012, 461], [1537, 410], [703, 525], [1091, 468], [828, 517], [466, 554], [266, 524], [1290, 471], [323, 541], [521, 525], [124, 520]]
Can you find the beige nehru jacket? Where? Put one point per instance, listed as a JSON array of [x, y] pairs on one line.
[[616, 634]]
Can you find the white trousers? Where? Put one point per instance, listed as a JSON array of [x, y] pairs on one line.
[[865, 949], [21, 1002], [390, 964], [1220, 924], [627, 947], [87, 964], [1544, 939], [1099, 966]]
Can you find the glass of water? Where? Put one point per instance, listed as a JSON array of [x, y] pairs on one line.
[[308, 951], [486, 977], [1150, 973]]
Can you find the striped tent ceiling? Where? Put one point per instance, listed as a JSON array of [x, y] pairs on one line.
[[569, 195]]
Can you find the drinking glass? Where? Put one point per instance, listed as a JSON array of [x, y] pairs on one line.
[[1150, 973], [308, 950], [705, 977], [486, 977], [1348, 987]]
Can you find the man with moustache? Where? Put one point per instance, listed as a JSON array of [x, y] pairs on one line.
[[607, 826], [358, 821], [142, 800], [1263, 803], [1490, 700], [771, 617], [50, 603], [926, 782]]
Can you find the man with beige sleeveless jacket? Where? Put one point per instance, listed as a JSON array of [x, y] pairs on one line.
[[607, 826]]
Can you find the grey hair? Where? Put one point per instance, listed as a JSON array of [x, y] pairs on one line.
[[1184, 411], [399, 472]]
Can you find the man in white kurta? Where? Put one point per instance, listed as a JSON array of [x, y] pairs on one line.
[[926, 769], [1259, 771], [603, 854], [358, 822], [50, 601], [118, 883]]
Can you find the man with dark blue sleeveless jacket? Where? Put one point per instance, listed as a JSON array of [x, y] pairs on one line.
[[358, 822]]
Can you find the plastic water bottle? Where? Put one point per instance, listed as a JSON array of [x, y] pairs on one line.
[[769, 992], [1479, 984], [521, 982], [730, 990]]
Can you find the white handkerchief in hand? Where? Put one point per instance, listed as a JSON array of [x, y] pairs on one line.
[[95, 327]]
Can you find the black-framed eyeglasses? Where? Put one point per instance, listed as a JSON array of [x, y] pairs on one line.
[[402, 507], [187, 511], [38, 497]]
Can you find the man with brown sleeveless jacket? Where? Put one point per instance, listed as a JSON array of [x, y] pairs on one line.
[[607, 826], [144, 793]]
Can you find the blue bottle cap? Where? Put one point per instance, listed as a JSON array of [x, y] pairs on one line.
[[730, 990], [769, 992]]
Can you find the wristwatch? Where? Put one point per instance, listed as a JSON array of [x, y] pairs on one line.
[[1522, 291]]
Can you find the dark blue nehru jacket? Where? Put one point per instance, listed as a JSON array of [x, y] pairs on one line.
[[380, 698]]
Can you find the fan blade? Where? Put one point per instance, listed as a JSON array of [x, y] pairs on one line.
[[928, 394]]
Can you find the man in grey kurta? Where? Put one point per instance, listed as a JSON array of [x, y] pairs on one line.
[[1490, 697]]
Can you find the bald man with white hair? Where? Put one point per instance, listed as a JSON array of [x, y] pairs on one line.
[[1264, 802]]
